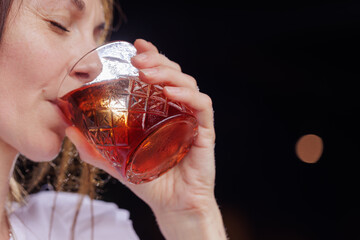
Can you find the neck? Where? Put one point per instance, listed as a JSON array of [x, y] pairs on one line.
[[7, 159]]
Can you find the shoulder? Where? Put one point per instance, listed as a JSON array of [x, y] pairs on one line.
[[51, 214]]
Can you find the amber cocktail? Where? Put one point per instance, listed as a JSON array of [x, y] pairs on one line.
[[132, 124]]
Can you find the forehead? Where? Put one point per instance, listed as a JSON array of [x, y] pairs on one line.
[[74, 5], [79, 4], [53, 4]]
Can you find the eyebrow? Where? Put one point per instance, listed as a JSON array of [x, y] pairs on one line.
[[80, 5]]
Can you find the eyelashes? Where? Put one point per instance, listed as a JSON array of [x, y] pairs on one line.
[[58, 25], [99, 31]]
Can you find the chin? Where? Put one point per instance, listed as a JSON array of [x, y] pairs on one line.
[[43, 151]]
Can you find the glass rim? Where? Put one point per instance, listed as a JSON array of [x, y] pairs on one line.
[[122, 56], [105, 45]]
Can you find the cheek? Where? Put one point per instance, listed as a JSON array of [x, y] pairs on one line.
[[29, 75], [40, 66], [32, 65], [36, 58]]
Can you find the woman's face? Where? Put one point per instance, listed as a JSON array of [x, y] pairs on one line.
[[41, 42]]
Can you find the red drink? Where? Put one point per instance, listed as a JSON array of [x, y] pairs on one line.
[[133, 125]]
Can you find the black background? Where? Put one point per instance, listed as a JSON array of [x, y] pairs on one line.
[[275, 72]]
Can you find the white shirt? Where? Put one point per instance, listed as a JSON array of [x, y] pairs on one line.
[[32, 221]]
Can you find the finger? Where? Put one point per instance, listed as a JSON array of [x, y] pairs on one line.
[[142, 45], [151, 59], [167, 76], [199, 102], [145, 50]]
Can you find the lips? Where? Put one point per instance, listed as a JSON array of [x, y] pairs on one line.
[[60, 113]]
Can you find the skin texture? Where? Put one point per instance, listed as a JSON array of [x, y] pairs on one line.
[[44, 41], [35, 55], [186, 193]]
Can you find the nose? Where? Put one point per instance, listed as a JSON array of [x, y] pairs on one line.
[[87, 68], [84, 71]]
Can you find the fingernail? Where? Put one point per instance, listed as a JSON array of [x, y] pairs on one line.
[[173, 90], [149, 71], [141, 57]]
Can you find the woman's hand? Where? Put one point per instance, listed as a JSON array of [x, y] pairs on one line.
[[185, 194]]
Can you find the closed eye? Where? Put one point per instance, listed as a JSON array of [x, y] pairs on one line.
[[100, 33], [99, 30], [59, 26]]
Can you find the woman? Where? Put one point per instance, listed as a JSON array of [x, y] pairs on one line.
[[40, 41]]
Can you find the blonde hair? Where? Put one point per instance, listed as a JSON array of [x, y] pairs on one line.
[[65, 173]]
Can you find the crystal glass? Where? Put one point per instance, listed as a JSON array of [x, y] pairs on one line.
[[131, 123]]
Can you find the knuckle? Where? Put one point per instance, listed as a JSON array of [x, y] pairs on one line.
[[154, 55], [177, 66], [162, 57], [191, 80], [163, 70], [154, 48], [207, 100], [212, 136], [170, 63]]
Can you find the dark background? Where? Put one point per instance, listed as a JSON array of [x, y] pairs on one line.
[[275, 72]]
